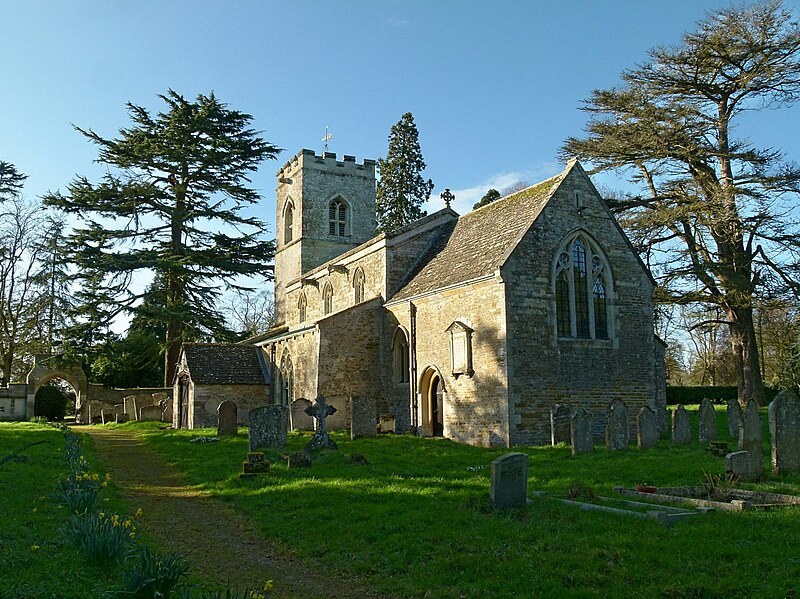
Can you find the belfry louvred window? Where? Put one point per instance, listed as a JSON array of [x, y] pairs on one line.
[[337, 218], [582, 285]]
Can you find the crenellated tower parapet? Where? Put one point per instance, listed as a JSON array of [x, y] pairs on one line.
[[325, 207]]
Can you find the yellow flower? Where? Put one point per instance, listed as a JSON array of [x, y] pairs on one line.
[[101, 515], [138, 513], [34, 509], [268, 585], [34, 548]]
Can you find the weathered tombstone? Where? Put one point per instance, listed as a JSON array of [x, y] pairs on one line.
[[363, 417], [129, 404], [121, 418], [785, 421], [227, 418], [107, 416], [734, 413], [150, 413], [771, 419], [141, 401], [750, 433], [159, 397], [509, 481], [646, 430], [166, 409], [750, 466], [320, 411], [744, 465], [560, 415], [681, 428], [298, 419], [581, 432], [387, 423], [267, 427], [617, 433], [708, 421]]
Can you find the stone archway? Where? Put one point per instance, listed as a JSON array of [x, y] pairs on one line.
[[432, 390], [45, 369]]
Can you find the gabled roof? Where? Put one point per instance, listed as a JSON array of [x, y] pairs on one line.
[[225, 364], [479, 243]]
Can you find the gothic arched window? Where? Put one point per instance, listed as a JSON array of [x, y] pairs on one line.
[[327, 299], [287, 380], [288, 221], [337, 217], [400, 356], [358, 285], [582, 286]]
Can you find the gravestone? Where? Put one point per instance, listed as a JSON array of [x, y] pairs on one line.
[[387, 423], [363, 417], [617, 433], [227, 419], [121, 418], [744, 465], [646, 430], [141, 401], [560, 415], [708, 421], [166, 409], [267, 426], [509, 481], [771, 419], [129, 405], [299, 420], [785, 421], [581, 432], [320, 411], [750, 466], [681, 428], [107, 416], [150, 414], [734, 413]]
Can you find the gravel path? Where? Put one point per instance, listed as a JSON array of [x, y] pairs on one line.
[[220, 543]]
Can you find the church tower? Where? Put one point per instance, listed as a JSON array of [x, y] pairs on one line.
[[325, 207]]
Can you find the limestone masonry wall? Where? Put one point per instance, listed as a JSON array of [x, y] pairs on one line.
[[544, 369], [208, 397]]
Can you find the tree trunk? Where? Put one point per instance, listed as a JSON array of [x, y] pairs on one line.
[[745, 350]]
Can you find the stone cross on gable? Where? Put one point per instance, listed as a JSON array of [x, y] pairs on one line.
[[320, 411], [447, 196]]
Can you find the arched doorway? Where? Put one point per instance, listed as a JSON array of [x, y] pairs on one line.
[[433, 392], [47, 368]]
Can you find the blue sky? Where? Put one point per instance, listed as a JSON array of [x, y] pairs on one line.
[[494, 87]]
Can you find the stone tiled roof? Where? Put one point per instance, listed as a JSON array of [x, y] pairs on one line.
[[225, 364], [479, 242]]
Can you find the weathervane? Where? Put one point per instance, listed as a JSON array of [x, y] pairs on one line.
[[327, 137], [447, 196]]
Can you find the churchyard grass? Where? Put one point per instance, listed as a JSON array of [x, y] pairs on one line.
[[416, 521], [36, 562]]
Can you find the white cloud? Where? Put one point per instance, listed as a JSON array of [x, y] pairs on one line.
[[466, 197]]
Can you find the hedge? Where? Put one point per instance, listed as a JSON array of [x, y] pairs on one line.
[[719, 394]]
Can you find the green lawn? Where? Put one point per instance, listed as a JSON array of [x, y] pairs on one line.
[[34, 561], [415, 521]]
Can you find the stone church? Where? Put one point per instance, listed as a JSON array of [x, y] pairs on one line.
[[468, 327]]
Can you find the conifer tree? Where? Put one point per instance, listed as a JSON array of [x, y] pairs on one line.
[[172, 203], [402, 190], [489, 197], [715, 217]]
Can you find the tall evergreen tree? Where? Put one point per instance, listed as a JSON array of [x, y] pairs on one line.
[[402, 190], [172, 203], [715, 218]]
